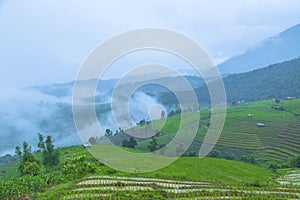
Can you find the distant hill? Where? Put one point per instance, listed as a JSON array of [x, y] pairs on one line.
[[49, 110], [6, 159], [51, 113], [282, 47], [279, 80], [106, 87], [65, 89]]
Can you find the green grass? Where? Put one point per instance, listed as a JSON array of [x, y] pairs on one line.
[[171, 128], [240, 130], [185, 168], [276, 142], [213, 170], [10, 170], [73, 151], [280, 138]]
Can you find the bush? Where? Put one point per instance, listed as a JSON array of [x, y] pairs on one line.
[[31, 168], [214, 154], [295, 162], [273, 167], [78, 167], [131, 143]]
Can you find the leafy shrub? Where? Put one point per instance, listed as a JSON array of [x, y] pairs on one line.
[[31, 168], [295, 162], [78, 167], [131, 143], [111, 171]]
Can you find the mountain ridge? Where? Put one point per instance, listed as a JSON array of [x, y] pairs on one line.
[[280, 80], [281, 47]]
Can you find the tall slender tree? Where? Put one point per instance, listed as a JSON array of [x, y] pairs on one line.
[[50, 155], [153, 145], [41, 144], [25, 157], [18, 152]]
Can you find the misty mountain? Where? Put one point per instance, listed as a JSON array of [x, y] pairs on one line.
[[48, 109], [6, 159], [282, 47], [66, 89], [105, 87]]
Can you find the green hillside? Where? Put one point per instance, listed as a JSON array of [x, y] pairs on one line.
[[80, 176], [241, 138], [278, 140], [279, 80], [186, 178], [215, 172]]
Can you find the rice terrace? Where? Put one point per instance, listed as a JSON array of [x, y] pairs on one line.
[[150, 100], [262, 168]]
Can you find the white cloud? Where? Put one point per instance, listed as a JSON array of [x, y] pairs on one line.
[[46, 41]]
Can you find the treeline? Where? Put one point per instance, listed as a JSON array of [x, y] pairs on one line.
[[31, 165], [44, 169]]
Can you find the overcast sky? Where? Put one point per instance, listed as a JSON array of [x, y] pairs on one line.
[[42, 42]]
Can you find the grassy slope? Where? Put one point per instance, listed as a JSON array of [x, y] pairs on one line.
[[281, 133], [213, 170], [185, 168], [65, 153], [278, 141], [240, 131], [171, 126], [192, 168]]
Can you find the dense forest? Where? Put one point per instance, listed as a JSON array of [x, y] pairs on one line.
[[280, 80]]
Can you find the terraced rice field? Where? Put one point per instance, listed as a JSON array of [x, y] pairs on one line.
[[290, 178], [278, 140], [106, 187]]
